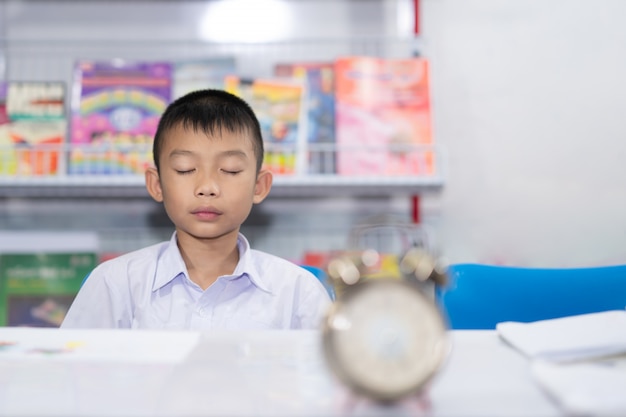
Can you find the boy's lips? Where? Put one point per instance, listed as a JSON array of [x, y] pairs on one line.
[[206, 212]]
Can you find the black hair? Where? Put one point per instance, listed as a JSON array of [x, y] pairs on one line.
[[209, 111]]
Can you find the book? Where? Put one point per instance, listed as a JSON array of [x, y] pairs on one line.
[[35, 127], [320, 105], [116, 107], [278, 105], [40, 274], [198, 74], [38, 288], [383, 117], [8, 164], [4, 117]]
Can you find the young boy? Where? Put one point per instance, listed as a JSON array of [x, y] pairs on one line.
[[208, 155]]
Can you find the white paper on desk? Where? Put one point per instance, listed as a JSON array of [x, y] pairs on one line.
[[95, 345], [570, 338], [589, 389]]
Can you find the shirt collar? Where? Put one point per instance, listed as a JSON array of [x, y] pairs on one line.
[[247, 266], [170, 264]]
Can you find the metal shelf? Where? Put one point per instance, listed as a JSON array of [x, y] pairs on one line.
[[42, 172], [118, 186], [326, 185]]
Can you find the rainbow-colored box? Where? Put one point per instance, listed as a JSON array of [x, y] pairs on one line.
[[116, 109]]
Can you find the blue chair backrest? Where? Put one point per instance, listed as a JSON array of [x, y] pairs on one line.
[[320, 274], [480, 296], [85, 279]]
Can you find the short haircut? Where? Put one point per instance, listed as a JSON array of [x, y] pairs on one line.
[[210, 111]]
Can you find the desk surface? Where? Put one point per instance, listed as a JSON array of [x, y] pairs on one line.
[[51, 372]]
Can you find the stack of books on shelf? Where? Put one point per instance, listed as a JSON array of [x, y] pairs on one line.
[[352, 116]]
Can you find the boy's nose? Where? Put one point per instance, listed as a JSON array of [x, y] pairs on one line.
[[207, 186]]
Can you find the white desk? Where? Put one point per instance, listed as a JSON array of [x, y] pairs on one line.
[[140, 373]]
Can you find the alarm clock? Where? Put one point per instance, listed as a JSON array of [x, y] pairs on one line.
[[384, 336]]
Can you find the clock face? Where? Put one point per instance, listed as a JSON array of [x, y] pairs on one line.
[[385, 339]]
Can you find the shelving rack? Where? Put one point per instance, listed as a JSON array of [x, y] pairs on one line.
[[28, 59], [46, 60]]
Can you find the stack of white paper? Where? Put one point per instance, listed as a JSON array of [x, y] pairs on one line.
[[581, 337], [579, 360], [584, 389]]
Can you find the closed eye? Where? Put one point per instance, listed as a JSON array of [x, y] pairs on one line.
[[184, 172], [231, 172]]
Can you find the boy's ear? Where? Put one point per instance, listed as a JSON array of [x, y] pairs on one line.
[[263, 185], [153, 184]]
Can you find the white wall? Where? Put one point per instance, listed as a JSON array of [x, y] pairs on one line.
[[529, 100]]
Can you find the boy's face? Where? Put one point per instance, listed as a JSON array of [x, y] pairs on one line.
[[207, 184]]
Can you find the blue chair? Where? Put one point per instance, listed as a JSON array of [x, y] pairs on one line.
[[480, 296], [85, 279], [320, 274]]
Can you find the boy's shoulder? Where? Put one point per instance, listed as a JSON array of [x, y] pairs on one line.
[[145, 254], [269, 260], [275, 270]]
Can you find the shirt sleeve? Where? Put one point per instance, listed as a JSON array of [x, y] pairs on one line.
[[98, 304], [314, 303]]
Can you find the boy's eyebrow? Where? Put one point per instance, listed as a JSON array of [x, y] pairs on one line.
[[230, 152], [180, 152], [234, 152]]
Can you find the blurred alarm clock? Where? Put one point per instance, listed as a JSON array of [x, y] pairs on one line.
[[384, 337]]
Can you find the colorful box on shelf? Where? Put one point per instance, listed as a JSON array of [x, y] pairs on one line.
[[318, 78], [383, 117], [33, 127], [279, 104], [115, 112]]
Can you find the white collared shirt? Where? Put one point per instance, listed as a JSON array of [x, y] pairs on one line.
[[150, 289]]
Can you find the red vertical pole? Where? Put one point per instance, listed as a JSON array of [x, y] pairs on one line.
[[415, 209], [415, 200], [416, 16]]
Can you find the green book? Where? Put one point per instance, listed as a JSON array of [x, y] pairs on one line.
[[37, 289]]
